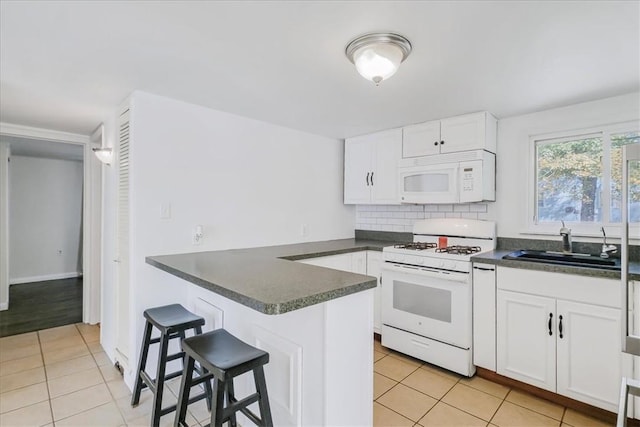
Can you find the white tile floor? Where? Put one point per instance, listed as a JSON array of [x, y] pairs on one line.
[[408, 392], [62, 377]]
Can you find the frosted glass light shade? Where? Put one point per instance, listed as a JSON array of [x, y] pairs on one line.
[[378, 56], [105, 155], [377, 62]]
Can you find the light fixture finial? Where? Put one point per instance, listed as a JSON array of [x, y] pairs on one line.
[[377, 56]]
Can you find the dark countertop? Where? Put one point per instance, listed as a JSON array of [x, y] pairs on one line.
[[495, 258], [265, 278]]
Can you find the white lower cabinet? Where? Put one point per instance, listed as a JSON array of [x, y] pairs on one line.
[[526, 350], [374, 268], [361, 262], [561, 333], [484, 316], [589, 353]]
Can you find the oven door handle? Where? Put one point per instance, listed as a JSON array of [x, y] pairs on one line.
[[426, 272]]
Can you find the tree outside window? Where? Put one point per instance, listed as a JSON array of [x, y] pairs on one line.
[[571, 179]]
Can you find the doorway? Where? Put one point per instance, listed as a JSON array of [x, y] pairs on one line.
[[45, 236], [61, 269]]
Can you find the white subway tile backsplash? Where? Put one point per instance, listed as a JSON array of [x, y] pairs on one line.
[[402, 217], [478, 207], [469, 215]]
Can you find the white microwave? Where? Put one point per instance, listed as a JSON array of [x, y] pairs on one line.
[[463, 177]]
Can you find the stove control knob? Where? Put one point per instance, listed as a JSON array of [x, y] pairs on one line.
[[453, 265], [420, 261], [441, 264]]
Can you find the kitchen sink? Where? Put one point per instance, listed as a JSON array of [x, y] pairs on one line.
[[576, 260]]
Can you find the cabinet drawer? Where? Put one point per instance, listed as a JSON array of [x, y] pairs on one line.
[[591, 290]]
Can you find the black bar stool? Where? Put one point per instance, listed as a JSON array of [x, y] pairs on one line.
[[224, 357], [172, 321]]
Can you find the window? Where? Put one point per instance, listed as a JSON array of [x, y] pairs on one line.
[[578, 178]]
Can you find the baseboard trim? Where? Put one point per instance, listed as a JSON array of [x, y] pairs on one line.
[[4, 306], [44, 278], [585, 408]]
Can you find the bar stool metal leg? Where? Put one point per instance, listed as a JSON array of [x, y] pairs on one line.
[[203, 371], [156, 412], [185, 389], [231, 397], [263, 403], [144, 352]]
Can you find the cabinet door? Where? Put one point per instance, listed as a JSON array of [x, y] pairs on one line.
[[422, 139], [589, 354], [384, 177], [359, 262], [358, 155], [463, 133], [374, 267], [484, 316], [525, 349], [342, 262]]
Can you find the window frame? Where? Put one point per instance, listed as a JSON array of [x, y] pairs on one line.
[[578, 228]]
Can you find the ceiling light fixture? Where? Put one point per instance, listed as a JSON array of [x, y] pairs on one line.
[[105, 155], [377, 56]]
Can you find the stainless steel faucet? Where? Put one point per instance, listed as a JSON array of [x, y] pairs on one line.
[[606, 249], [566, 239]]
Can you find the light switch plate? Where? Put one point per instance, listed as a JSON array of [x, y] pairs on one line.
[[165, 211]]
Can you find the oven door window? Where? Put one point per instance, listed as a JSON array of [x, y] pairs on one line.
[[432, 303], [428, 305]]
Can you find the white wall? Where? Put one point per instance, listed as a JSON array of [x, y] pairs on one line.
[[5, 151], [248, 183], [45, 207], [513, 159]]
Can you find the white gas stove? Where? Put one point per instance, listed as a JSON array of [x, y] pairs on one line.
[[444, 243], [426, 291]]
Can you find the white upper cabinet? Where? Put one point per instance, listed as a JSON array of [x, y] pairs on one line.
[[422, 139], [370, 168], [476, 131]]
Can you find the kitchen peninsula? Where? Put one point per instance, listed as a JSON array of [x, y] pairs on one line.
[[315, 322]]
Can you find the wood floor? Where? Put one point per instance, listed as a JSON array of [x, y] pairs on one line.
[[42, 305]]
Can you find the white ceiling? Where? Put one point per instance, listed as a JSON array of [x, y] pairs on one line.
[[65, 65]]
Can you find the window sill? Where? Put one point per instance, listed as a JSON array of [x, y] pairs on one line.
[[592, 232]]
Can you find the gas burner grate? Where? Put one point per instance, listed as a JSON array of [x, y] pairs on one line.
[[416, 246], [460, 250]]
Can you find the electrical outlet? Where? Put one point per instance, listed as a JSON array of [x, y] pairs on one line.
[[304, 230], [198, 235]]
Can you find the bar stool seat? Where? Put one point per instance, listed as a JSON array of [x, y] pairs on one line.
[[173, 321], [224, 357]]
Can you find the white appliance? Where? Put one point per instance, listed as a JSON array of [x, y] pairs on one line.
[[426, 291], [630, 335], [463, 177]]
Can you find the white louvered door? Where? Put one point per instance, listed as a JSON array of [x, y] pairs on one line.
[[122, 258]]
